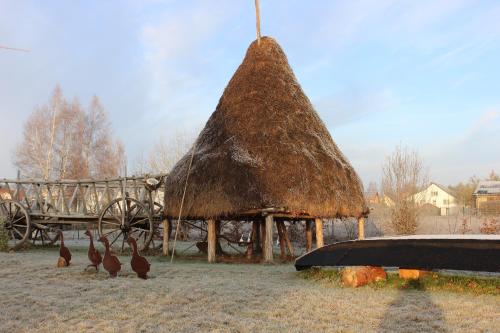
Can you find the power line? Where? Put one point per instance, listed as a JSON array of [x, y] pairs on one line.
[[13, 49]]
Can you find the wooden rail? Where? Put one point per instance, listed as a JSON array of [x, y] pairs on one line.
[[82, 198]]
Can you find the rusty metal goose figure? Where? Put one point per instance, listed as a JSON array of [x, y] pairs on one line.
[[63, 250], [110, 262], [93, 253], [139, 264]]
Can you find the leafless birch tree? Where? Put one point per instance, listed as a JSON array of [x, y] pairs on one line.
[[62, 140]]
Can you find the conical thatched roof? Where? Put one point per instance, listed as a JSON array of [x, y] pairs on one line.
[[265, 147]]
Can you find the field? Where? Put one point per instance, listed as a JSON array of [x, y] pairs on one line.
[[193, 296]]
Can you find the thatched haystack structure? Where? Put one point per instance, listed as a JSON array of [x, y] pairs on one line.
[[264, 150]]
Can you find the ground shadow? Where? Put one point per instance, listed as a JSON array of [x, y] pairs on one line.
[[413, 311]]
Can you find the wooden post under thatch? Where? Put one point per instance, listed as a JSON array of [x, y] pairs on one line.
[[253, 240], [309, 235], [361, 228], [287, 240], [268, 239], [258, 246], [212, 240], [319, 232], [166, 237], [280, 225]]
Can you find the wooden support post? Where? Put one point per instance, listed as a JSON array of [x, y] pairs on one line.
[[319, 232], [268, 239], [287, 240], [309, 235], [253, 240], [361, 228], [280, 225], [258, 245], [263, 235], [212, 240], [166, 237]]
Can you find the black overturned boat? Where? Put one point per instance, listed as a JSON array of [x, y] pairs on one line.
[[455, 252]]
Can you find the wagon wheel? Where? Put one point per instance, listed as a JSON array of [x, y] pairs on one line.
[[137, 222], [16, 222], [43, 234]]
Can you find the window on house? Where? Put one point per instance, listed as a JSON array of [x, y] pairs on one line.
[[434, 193], [445, 202], [434, 202]]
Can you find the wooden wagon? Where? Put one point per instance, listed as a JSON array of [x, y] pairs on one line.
[[34, 210]]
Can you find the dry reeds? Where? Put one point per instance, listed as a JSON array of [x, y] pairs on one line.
[[265, 147]]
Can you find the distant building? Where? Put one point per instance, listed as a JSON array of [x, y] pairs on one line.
[[487, 197], [375, 198], [4, 194], [439, 197], [386, 200], [372, 198]]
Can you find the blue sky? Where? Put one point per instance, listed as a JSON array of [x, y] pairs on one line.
[[422, 73]]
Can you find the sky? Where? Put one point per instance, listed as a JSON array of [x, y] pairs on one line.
[[424, 74]]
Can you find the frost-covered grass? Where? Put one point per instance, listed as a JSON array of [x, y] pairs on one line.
[[193, 296]]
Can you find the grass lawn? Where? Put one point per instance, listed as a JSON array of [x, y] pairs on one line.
[[193, 296]]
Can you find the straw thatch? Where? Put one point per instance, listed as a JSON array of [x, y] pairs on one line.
[[264, 147]]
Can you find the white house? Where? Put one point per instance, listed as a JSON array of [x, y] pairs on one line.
[[438, 196]]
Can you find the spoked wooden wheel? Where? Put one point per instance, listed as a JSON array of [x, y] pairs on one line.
[[16, 222], [43, 233], [118, 221]]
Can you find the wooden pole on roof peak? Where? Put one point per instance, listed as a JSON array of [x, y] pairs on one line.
[[257, 14]]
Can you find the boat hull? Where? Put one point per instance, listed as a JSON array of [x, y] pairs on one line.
[[413, 253]]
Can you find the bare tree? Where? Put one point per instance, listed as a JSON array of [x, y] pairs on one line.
[[372, 189], [464, 191], [164, 153], [403, 175], [62, 140], [35, 156], [493, 176]]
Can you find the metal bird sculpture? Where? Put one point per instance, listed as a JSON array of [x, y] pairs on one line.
[[93, 253], [63, 250], [110, 262], [139, 264]]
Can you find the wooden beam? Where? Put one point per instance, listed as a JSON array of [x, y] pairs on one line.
[[166, 237], [258, 246], [253, 240], [212, 240], [268, 239], [257, 22], [309, 236], [361, 228], [280, 225], [288, 242], [319, 232]]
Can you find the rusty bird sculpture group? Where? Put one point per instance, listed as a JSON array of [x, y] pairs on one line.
[[110, 261]]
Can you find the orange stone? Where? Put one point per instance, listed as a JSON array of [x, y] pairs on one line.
[[362, 275], [61, 262], [412, 274]]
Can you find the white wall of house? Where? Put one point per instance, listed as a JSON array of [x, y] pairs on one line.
[[438, 197]]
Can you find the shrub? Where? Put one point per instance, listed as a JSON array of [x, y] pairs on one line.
[[490, 227], [3, 236], [404, 218]]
